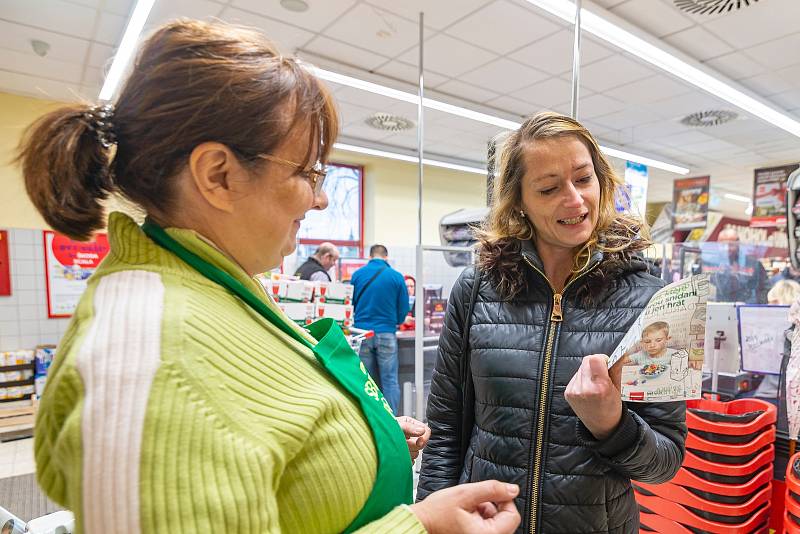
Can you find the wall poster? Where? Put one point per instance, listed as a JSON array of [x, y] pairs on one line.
[[690, 202], [769, 196], [67, 266]]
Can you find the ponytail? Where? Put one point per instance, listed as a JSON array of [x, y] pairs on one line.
[[66, 164]]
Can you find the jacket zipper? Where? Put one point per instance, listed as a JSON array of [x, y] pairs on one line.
[[556, 316]]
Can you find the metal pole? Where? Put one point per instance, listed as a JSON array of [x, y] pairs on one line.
[[576, 61], [419, 353]]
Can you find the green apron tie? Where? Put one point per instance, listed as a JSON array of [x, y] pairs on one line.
[[393, 480]]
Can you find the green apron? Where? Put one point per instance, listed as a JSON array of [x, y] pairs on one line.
[[393, 481]]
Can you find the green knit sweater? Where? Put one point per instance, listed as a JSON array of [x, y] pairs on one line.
[[173, 407]]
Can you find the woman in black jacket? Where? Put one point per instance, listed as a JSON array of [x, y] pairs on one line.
[[559, 284]]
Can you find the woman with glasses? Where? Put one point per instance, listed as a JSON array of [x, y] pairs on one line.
[[182, 399]]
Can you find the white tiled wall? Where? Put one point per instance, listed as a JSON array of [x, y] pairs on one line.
[[23, 315]]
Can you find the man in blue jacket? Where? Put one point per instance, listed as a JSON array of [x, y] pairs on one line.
[[380, 299]]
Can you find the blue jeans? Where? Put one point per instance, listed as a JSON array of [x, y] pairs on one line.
[[379, 354]]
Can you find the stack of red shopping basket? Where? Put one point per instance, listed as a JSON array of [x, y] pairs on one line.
[[791, 515], [725, 483]]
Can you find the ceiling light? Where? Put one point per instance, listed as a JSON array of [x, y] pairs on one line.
[[408, 158], [298, 6], [126, 48], [624, 40], [444, 107], [740, 198], [621, 154]]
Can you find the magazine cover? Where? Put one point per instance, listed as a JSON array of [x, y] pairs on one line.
[[662, 353]]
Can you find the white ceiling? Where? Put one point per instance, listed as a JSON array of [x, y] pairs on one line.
[[504, 57]]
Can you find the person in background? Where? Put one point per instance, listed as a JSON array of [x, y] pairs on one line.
[[742, 279], [317, 267], [182, 399], [411, 285], [380, 299], [784, 292]]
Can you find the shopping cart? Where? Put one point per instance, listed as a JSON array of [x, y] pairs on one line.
[[356, 336], [62, 522]]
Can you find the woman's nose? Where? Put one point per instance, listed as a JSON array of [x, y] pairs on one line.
[[320, 201], [573, 197]]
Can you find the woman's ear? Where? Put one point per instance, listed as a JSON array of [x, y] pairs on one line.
[[216, 174]]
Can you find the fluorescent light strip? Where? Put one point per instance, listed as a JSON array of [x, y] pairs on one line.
[[126, 48], [640, 48], [430, 103], [614, 153], [740, 198], [405, 157]]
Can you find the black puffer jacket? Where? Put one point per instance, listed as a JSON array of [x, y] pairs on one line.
[[582, 485]]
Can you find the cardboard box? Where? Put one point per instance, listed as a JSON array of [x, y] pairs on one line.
[[299, 312], [341, 313], [334, 292], [283, 290]]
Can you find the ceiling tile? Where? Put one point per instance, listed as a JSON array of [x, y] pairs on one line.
[[407, 140], [736, 65], [318, 16], [437, 14], [18, 38], [650, 89], [55, 15], [553, 54], [514, 105], [100, 55], [776, 54], [653, 16], [285, 36], [659, 128], [678, 107], [787, 100], [612, 72], [466, 91], [374, 29], [449, 56], [173, 9], [791, 75], [343, 53], [363, 99], [760, 22], [38, 87], [504, 76], [683, 139], [351, 113], [699, 43], [110, 29], [767, 84], [502, 27], [596, 105], [118, 7], [93, 76], [626, 118], [361, 131], [33, 65], [548, 93], [410, 73]]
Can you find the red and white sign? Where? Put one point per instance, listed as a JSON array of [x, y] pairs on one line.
[[68, 264], [5, 265]]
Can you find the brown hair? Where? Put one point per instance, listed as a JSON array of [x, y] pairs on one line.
[[192, 82], [504, 228]]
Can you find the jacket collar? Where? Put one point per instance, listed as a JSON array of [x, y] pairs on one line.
[[528, 250]]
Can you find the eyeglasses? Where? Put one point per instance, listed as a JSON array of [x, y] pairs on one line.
[[315, 175]]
